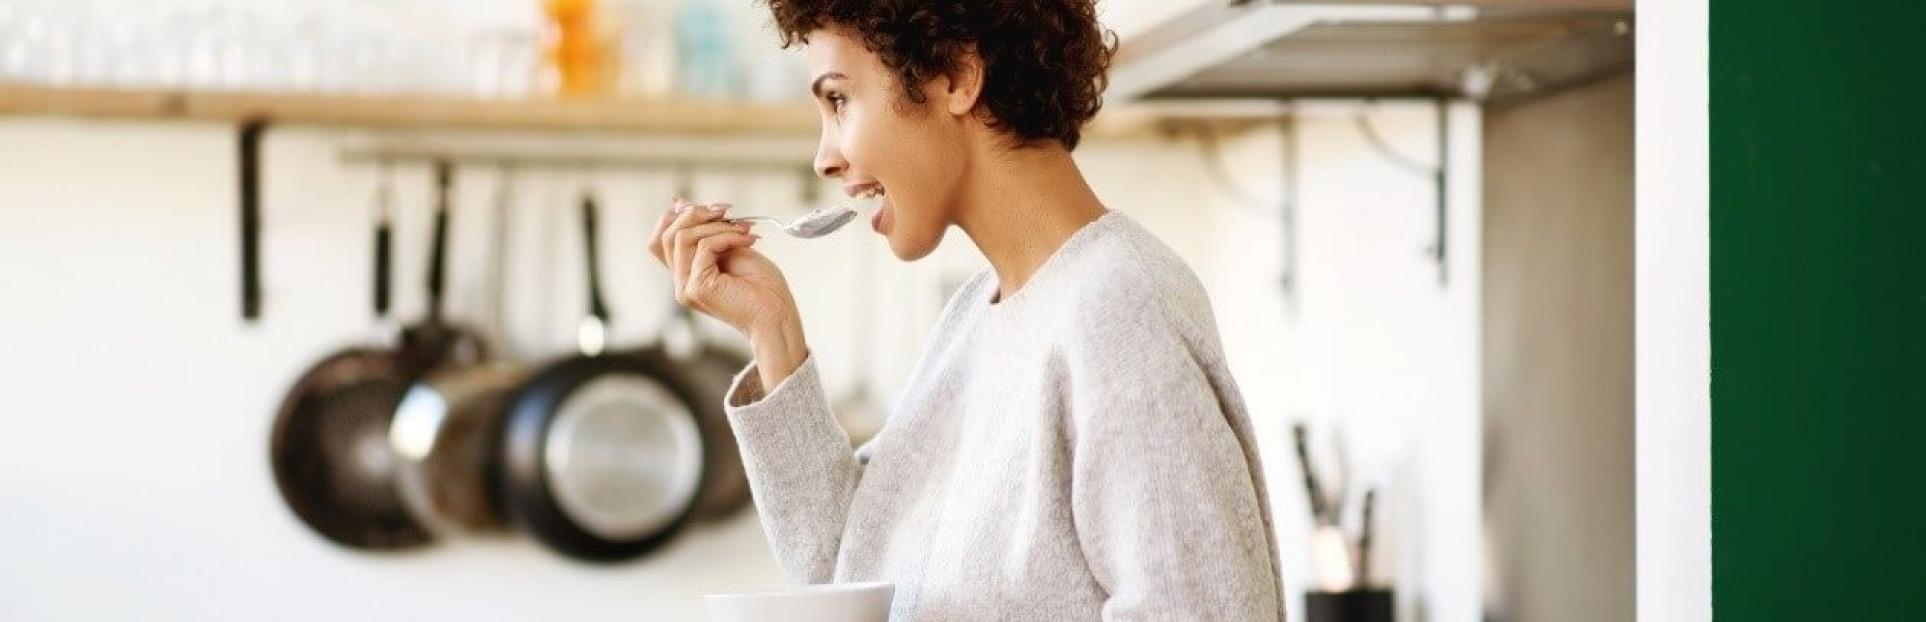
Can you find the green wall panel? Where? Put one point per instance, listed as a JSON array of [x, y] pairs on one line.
[[1818, 266]]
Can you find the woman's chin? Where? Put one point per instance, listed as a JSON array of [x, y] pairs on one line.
[[904, 238], [911, 248]]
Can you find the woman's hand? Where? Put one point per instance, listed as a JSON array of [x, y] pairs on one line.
[[717, 273]]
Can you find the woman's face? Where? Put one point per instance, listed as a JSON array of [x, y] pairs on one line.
[[876, 140]]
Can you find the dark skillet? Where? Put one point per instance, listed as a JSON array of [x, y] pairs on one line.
[[704, 371], [329, 445], [601, 457]]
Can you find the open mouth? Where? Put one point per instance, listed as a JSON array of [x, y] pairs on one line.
[[875, 199], [869, 196]]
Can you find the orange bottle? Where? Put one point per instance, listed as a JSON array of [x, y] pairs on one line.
[[577, 49]]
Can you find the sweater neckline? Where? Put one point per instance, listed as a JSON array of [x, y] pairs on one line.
[[1046, 270]]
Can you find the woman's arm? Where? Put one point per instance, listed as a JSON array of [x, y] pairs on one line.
[[1166, 505], [778, 348], [801, 468]]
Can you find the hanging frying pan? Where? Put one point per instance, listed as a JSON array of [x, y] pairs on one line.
[[445, 436], [329, 446], [601, 457], [704, 369], [446, 430]]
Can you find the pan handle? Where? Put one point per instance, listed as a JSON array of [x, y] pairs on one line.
[[598, 308], [383, 248], [437, 259], [591, 336], [383, 282]]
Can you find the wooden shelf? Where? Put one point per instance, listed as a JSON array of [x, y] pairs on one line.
[[666, 117]]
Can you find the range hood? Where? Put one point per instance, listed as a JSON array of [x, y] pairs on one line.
[[1487, 50]]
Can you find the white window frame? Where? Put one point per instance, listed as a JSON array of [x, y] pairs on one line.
[[1673, 312]]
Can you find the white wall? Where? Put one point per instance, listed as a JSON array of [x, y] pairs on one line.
[[1373, 342], [135, 465]]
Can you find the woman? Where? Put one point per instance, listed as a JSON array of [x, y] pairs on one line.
[[1071, 446]]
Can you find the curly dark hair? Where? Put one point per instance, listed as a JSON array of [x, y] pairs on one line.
[[1043, 60]]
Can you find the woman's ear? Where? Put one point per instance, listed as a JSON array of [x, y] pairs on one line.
[[964, 84]]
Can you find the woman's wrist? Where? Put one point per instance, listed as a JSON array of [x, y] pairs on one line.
[[779, 349]]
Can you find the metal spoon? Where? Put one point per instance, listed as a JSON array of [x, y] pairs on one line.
[[812, 225]]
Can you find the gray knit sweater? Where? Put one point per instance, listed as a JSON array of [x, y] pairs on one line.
[[1076, 452]]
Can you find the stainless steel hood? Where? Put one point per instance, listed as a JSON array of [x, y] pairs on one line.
[[1491, 50]]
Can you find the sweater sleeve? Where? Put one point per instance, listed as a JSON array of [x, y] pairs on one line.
[[802, 470], [1166, 507]]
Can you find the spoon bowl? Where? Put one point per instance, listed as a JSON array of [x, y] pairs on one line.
[[813, 225]]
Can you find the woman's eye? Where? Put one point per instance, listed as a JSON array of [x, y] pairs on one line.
[[836, 101]]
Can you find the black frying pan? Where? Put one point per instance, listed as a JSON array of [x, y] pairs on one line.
[[329, 446], [447, 429], [445, 438], [602, 459], [705, 371], [328, 442]]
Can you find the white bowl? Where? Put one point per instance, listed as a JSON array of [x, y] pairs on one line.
[[840, 602]]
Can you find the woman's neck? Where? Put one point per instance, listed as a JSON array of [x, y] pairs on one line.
[[1022, 206]]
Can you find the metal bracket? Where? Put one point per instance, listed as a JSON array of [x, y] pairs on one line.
[[1439, 173], [1287, 216], [1442, 181], [250, 188]]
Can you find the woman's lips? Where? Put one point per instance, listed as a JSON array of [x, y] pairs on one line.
[[876, 219]]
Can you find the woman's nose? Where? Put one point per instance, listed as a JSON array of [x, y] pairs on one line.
[[829, 160]]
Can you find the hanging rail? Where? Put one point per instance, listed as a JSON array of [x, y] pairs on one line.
[[525, 159]]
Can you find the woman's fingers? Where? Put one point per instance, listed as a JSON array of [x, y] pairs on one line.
[[702, 267], [691, 214], [682, 247], [689, 239], [676, 207]]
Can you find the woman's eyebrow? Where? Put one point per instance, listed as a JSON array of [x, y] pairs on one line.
[[816, 87]]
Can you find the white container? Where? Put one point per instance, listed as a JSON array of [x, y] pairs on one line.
[[841, 602]]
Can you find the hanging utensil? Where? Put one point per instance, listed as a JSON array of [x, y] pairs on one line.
[[328, 447], [446, 430], [601, 457], [704, 370], [444, 441], [435, 338]]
